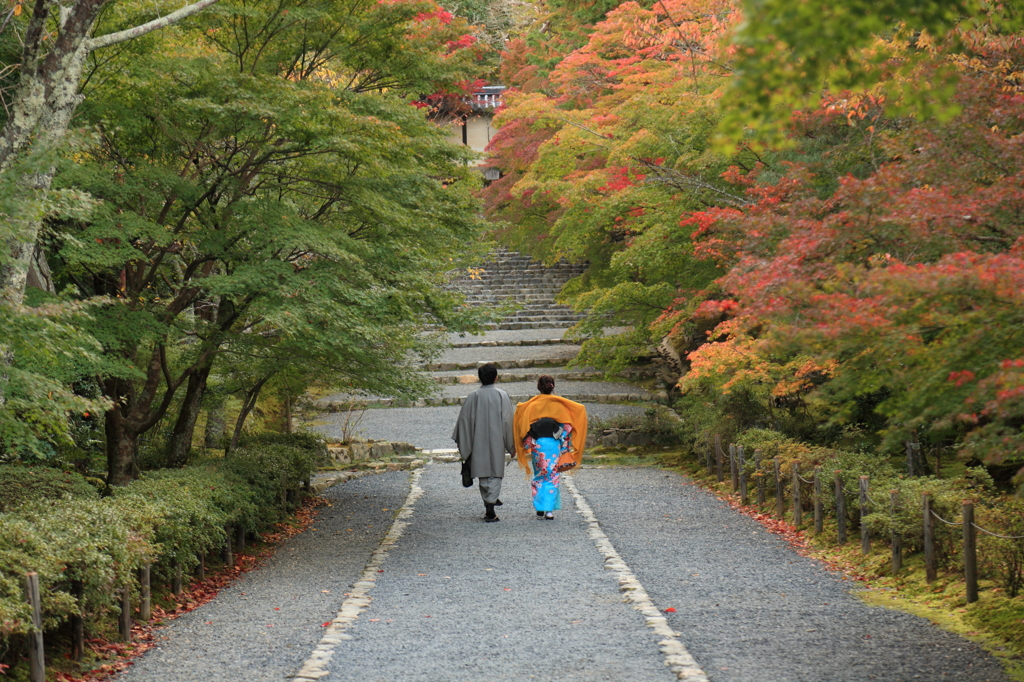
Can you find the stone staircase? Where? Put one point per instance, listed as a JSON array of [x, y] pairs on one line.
[[532, 286], [524, 345]]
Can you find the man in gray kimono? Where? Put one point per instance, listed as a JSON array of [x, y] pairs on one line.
[[483, 434]]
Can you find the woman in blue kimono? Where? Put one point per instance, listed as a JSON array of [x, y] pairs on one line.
[[552, 443]]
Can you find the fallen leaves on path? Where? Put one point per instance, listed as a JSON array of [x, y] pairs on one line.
[[797, 539]]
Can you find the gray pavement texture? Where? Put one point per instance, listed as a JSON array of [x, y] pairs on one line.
[[459, 600], [750, 608], [522, 599], [264, 626], [429, 428]]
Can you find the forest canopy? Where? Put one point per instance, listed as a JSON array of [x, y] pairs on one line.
[[814, 208]]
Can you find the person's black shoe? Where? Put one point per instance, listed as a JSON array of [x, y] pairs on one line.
[[491, 519], [540, 515], [549, 516], [489, 515]]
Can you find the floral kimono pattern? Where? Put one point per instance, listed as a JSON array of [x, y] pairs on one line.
[[544, 455]]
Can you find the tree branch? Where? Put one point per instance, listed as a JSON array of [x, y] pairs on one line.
[[143, 29]]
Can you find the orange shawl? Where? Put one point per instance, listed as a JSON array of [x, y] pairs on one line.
[[560, 409]]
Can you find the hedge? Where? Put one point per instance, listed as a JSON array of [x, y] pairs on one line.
[[56, 524]]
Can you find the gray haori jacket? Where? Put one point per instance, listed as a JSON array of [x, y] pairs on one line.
[[483, 432]]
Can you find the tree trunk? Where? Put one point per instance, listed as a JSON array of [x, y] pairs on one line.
[[43, 104], [122, 449], [216, 425], [180, 443], [250, 402]]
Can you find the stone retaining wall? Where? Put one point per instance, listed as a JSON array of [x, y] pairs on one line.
[[359, 451]]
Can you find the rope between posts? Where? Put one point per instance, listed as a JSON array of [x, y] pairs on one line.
[[997, 535], [948, 523], [805, 480]]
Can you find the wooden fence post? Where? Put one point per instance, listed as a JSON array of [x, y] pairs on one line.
[[897, 539], [970, 553], [708, 459], [201, 568], [798, 505], [929, 538], [229, 556], [78, 622], [719, 455], [124, 623], [840, 508], [819, 505], [914, 465], [36, 661], [865, 534], [240, 537], [780, 502], [145, 594], [733, 473], [741, 464], [176, 579], [760, 478]]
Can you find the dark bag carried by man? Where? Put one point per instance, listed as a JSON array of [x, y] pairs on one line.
[[467, 475]]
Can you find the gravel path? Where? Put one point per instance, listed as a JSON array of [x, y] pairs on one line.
[[429, 428], [264, 626], [458, 600], [748, 607], [462, 600]]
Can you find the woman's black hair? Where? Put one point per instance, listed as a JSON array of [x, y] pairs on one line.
[[546, 384]]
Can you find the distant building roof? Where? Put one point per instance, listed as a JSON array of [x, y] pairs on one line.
[[487, 98]]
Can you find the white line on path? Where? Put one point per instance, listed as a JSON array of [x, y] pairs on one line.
[[358, 600], [677, 658]]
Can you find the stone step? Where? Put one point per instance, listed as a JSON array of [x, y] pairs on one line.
[[500, 364], [632, 374], [502, 278], [542, 318], [605, 398], [505, 326], [526, 342], [524, 300]]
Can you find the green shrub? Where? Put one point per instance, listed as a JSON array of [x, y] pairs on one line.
[[1002, 558], [312, 443], [56, 525], [180, 505], [23, 549], [947, 496], [94, 542], [274, 472], [20, 484]]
